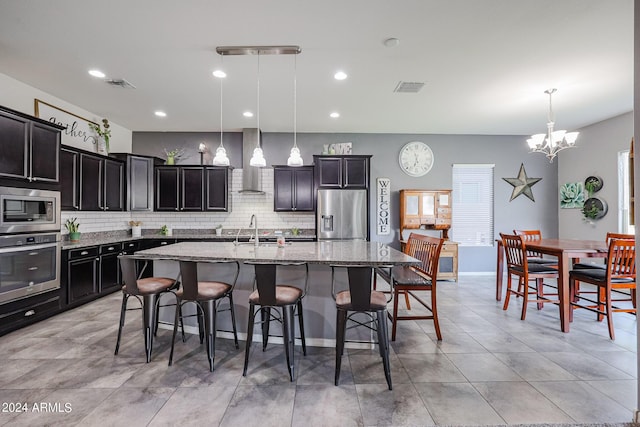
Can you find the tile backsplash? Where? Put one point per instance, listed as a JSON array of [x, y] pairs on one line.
[[242, 206]]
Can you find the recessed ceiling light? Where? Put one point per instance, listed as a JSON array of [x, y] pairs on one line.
[[340, 75], [391, 42], [219, 74], [247, 114], [97, 73], [160, 114], [334, 115]]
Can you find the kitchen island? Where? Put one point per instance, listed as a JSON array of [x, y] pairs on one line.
[[319, 307]]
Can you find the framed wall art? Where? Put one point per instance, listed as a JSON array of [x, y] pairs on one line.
[[77, 132]]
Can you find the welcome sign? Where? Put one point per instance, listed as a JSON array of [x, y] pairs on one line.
[[383, 202]]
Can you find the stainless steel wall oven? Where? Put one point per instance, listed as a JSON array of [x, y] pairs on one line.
[[29, 265], [29, 242]]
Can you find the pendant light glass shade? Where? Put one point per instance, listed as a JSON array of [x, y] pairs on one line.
[[257, 159], [221, 158], [294, 158]]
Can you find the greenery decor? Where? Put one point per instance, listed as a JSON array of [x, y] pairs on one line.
[[104, 132], [173, 155], [592, 184], [164, 230], [72, 225]]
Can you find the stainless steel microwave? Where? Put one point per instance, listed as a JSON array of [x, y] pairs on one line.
[[25, 210]]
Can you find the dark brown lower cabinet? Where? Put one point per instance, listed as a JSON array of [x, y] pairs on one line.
[[81, 274], [110, 279]]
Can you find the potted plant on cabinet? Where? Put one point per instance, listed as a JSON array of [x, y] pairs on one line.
[[72, 226], [219, 230]]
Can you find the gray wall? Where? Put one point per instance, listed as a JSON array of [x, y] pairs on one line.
[[506, 152], [596, 153]]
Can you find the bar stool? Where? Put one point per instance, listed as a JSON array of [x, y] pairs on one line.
[[360, 298], [267, 295], [205, 295], [147, 291]]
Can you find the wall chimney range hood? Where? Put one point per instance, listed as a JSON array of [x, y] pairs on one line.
[[251, 176]]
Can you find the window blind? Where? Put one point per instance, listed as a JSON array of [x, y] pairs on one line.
[[472, 216]]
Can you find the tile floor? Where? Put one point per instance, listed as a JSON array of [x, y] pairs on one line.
[[490, 368]]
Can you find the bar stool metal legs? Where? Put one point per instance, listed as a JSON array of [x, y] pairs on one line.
[[276, 302]]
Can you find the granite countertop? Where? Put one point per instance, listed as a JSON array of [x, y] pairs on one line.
[[345, 253], [107, 238]]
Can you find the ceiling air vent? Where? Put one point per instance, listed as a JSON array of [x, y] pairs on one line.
[[408, 87], [121, 83]]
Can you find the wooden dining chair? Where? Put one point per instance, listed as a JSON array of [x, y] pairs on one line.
[[407, 281], [534, 257], [608, 240], [519, 266], [619, 274]]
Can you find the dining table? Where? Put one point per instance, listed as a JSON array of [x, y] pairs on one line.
[[566, 251]]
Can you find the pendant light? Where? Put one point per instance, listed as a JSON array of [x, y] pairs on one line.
[[294, 157], [257, 159], [221, 158]]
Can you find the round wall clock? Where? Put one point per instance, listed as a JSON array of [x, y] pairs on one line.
[[416, 158]]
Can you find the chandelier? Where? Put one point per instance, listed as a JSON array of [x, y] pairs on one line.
[[552, 142]]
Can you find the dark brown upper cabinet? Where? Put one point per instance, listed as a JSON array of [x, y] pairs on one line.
[[191, 188], [345, 171], [293, 189], [29, 147]]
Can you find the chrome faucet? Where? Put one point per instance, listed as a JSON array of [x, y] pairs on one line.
[[254, 224]]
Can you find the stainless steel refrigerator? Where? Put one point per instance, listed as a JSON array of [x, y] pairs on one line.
[[342, 214]]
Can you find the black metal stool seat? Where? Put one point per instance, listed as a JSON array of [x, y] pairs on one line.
[[286, 298], [205, 295], [147, 291], [360, 298]]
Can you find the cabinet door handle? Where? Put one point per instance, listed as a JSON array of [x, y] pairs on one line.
[[110, 248], [97, 259], [29, 313], [76, 207], [163, 243], [33, 253], [177, 209], [106, 208], [32, 268], [84, 253]]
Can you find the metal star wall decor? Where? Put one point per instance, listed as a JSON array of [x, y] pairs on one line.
[[522, 184]]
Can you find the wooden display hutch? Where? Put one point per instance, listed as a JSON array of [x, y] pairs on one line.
[[431, 210]]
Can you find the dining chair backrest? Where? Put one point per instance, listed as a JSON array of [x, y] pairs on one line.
[[621, 259], [514, 249], [620, 236], [129, 276], [266, 279], [530, 236], [189, 274], [427, 249], [360, 286]]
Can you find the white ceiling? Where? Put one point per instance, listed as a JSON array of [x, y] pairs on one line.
[[486, 63]]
